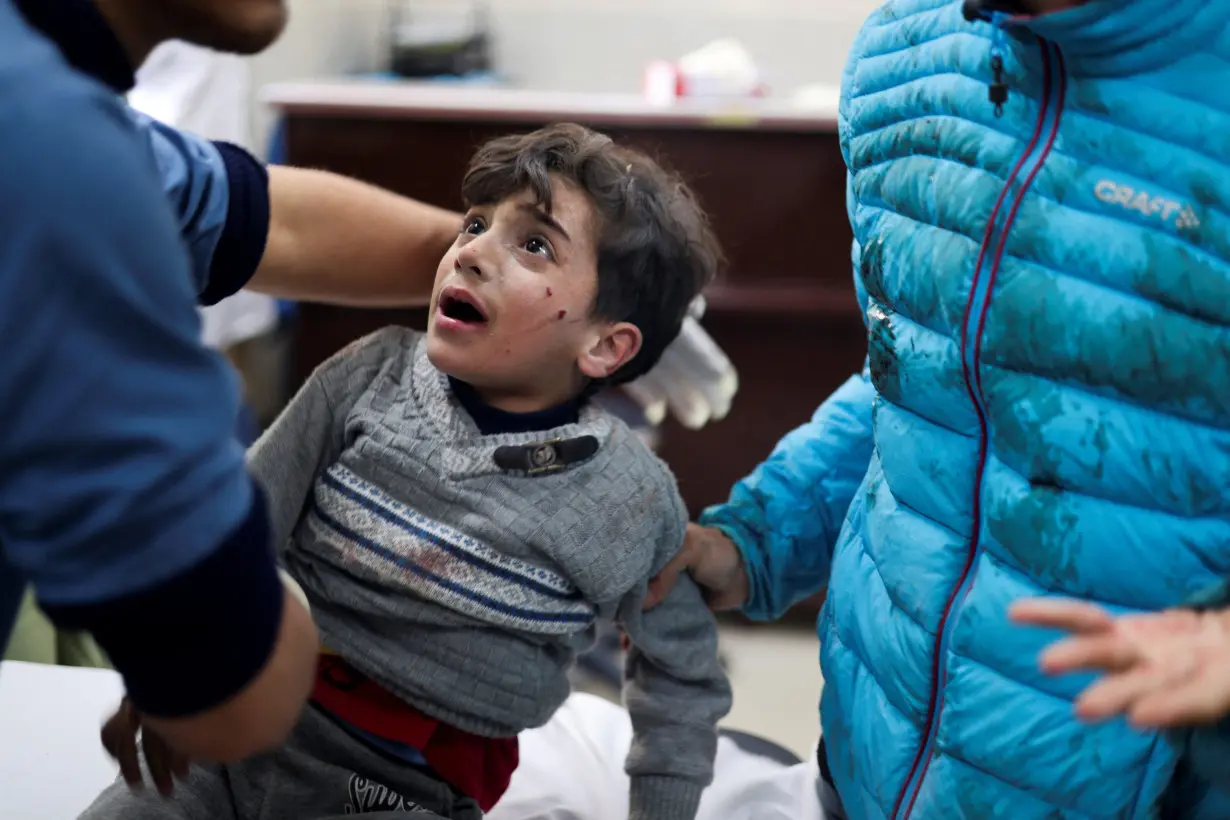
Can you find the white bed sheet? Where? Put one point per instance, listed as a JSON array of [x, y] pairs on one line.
[[52, 764]]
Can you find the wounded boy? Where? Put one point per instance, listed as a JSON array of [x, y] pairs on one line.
[[460, 516]]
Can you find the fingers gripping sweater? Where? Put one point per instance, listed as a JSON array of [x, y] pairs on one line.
[[467, 588]]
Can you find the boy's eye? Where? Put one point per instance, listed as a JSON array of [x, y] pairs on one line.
[[473, 226], [538, 246]]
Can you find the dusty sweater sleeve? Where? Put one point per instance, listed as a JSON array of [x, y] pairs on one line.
[[309, 434], [675, 691]]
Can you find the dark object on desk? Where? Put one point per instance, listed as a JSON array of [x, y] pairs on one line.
[[470, 56], [452, 56], [785, 313]]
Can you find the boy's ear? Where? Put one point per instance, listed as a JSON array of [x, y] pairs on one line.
[[618, 345]]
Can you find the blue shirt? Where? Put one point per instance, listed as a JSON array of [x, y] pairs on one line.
[[123, 495]]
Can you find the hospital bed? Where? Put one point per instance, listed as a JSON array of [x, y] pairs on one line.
[[52, 764]]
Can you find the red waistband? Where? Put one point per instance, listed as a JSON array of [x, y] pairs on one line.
[[478, 767]]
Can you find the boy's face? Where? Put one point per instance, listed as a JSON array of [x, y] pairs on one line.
[[511, 308]]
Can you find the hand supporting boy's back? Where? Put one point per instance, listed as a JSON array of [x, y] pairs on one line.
[[121, 736]]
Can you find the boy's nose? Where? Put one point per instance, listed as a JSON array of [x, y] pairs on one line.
[[468, 261]]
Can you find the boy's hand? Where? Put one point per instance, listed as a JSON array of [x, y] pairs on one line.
[[715, 565], [119, 738], [1160, 669]]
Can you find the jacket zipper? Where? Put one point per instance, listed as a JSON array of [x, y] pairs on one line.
[[985, 271]]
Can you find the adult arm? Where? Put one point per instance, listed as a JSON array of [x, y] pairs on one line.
[[335, 239], [785, 517], [771, 543], [123, 497], [315, 236], [292, 232]]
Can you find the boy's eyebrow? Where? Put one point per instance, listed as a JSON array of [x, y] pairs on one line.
[[546, 219]]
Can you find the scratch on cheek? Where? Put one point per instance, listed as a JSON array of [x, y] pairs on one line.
[[542, 324]]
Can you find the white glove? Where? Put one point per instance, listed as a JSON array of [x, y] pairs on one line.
[[694, 379]]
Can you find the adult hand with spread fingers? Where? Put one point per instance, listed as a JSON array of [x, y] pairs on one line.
[[1160, 669]]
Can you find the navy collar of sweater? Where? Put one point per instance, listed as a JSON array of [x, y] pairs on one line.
[[494, 421], [84, 37]]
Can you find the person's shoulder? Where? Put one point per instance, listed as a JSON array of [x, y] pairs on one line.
[[357, 365], [890, 12], [622, 501], [83, 197], [650, 486], [392, 340], [65, 142], [44, 99], [377, 347], [894, 26], [624, 463], [25, 56], [630, 444], [898, 23]]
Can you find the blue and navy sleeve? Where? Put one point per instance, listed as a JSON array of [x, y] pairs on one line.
[[220, 195], [123, 495]]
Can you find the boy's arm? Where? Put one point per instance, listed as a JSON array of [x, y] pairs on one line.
[[675, 691], [785, 517], [309, 434], [289, 456]]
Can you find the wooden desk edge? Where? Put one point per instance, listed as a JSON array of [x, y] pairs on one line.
[[389, 100]]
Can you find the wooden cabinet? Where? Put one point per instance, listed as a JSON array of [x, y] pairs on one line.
[[772, 179]]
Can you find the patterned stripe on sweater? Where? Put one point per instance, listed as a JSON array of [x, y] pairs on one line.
[[404, 548]]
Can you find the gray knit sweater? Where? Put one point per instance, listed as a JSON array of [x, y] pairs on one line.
[[466, 584]]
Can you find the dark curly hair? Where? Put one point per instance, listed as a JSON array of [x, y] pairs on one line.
[[656, 249]]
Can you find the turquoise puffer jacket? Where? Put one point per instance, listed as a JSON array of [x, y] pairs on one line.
[[1046, 408]]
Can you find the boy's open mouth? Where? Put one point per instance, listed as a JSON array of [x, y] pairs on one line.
[[459, 306]]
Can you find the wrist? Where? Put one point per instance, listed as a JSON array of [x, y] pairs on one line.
[[730, 579], [740, 581], [729, 546]]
